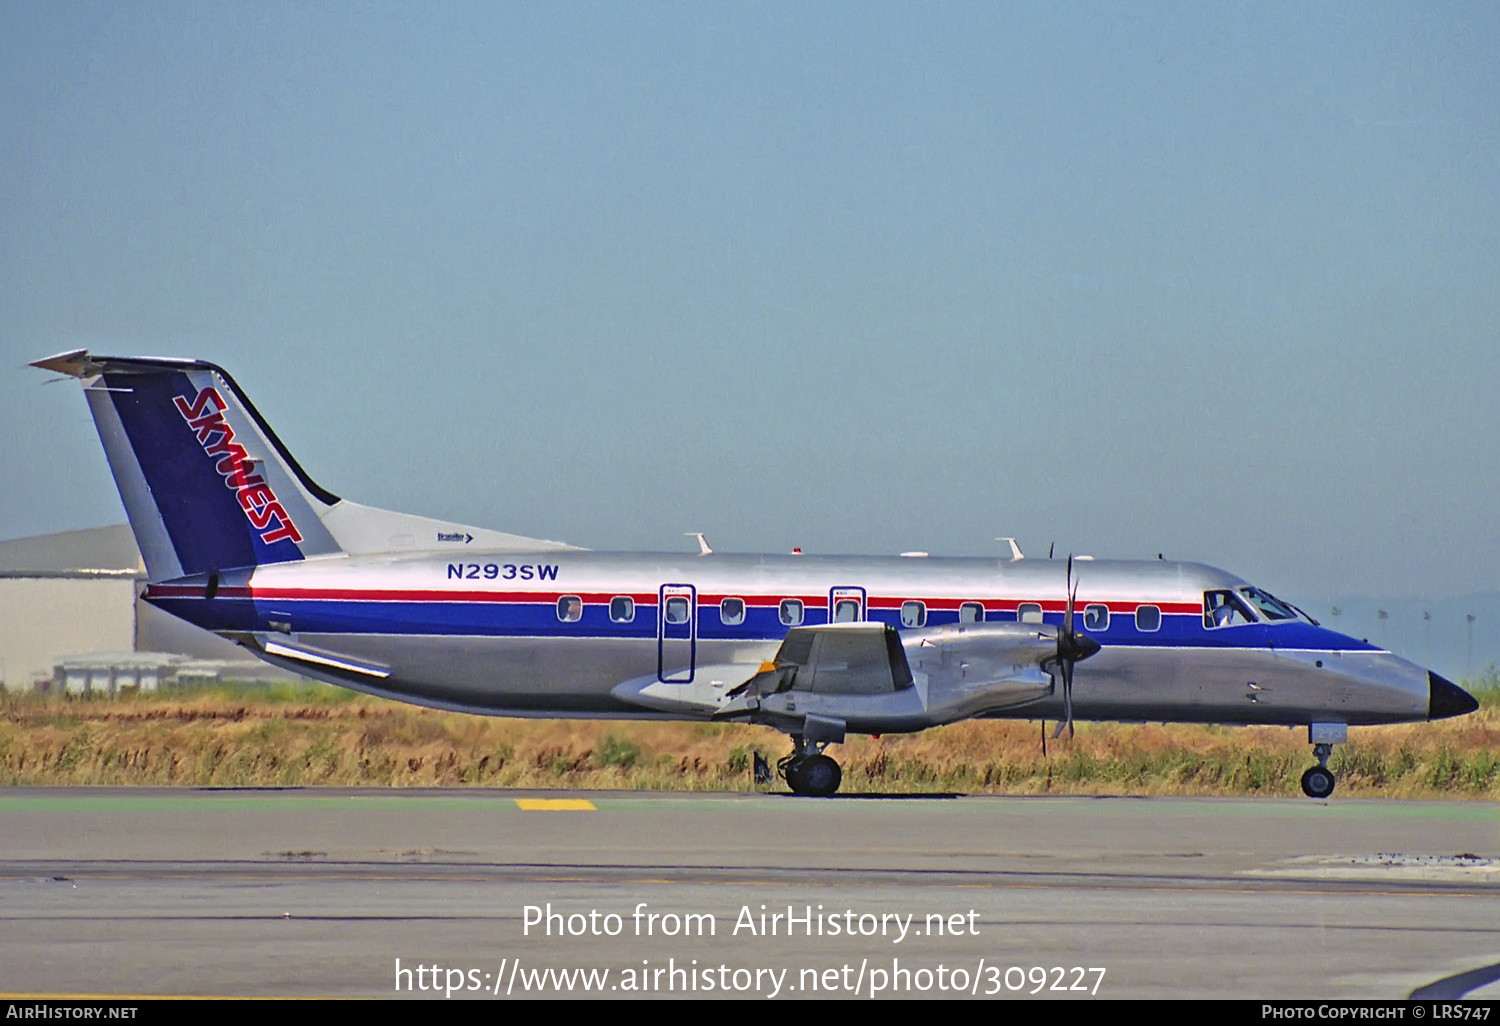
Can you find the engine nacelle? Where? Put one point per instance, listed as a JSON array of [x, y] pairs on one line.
[[966, 655]]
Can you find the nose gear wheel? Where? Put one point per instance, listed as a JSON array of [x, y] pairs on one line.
[[1319, 781]]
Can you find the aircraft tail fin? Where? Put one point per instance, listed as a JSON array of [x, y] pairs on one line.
[[208, 486], [206, 483]]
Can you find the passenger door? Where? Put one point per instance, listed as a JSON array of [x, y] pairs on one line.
[[676, 633]]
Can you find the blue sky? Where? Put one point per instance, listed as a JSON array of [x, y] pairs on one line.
[[1214, 280]]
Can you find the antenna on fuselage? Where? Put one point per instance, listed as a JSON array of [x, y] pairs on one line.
[[1015, 550], [703, 549]]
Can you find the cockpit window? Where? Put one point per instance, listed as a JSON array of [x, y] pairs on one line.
[[1225, 609], [1303, 613], [1271, 607]]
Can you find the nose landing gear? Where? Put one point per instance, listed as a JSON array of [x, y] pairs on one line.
[[1318, 781], [808, 771]]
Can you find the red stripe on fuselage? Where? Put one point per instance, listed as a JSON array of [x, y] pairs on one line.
[[640, 598]]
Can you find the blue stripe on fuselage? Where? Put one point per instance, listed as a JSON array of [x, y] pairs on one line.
[[539, 619]]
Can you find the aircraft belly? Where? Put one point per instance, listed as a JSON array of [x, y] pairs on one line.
[[575, 677], [1137, 678], [1243, 686], [566, 677], [1124, 682], [570, 676]]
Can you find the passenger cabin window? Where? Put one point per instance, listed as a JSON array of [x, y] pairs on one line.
[[678, 609], [1096, 617], [971, 612], [846, 610], [913, 614], [1029, 612], [791, 612], [570, 609], [1147, 618], [732, 611], [1271, 607], [622, 609], [1225, 609]]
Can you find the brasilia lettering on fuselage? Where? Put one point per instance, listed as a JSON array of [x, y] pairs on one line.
[[259, 502], [501, 571]]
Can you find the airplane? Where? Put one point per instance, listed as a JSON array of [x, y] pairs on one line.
[[239, 540]]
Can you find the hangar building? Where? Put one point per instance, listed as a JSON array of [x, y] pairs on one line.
[[72, 617]]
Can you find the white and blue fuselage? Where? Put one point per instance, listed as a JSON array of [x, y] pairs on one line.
[[239, 540], [555, 633]]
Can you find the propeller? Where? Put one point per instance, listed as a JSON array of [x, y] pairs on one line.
[[1071, 647]]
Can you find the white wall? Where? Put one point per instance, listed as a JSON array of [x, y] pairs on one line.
[[42, 619]]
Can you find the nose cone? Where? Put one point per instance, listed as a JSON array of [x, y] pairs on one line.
[[1447, 699]]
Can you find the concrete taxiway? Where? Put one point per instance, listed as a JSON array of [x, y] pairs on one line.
[[319, 892]]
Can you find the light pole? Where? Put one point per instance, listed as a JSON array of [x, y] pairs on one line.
[[1427, 640], [1382, 616], [1469, 655]]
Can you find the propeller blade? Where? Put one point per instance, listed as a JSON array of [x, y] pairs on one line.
[[1067, 720], [1070, 648], [1068, 697], [1068, 609]]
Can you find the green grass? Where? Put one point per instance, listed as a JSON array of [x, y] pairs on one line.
[[311, 734], [1485, 686]]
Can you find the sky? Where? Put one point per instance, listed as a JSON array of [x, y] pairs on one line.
[[1212, 280]]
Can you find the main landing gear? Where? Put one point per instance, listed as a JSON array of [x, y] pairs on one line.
[[808, 771]]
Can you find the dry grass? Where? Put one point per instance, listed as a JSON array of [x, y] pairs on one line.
[[314, 735]]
